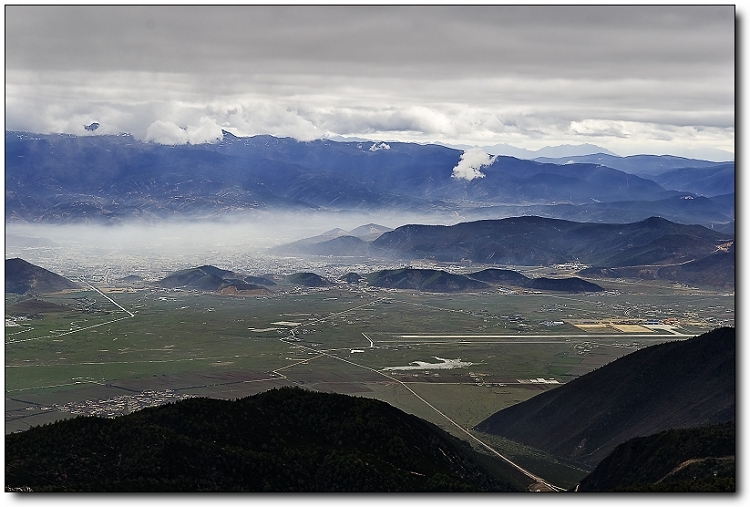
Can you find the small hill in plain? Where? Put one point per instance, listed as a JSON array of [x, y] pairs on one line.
[[309, 280], [494, 275], [259, 280], [281, 440], [514, 278], [573, 284], [210, 279], [678, 384], [679, 460], [24, 278], [428, 280], [352, 278]]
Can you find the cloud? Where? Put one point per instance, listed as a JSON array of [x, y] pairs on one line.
[[381, 146], [534, 76], [164, 132], [470, 163]]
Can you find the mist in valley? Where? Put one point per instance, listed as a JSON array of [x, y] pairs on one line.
[[239, 242]]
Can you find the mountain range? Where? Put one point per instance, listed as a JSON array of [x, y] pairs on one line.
[[654, 248], [65, 178]]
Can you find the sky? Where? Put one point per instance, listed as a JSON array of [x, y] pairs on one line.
[[631, 79]]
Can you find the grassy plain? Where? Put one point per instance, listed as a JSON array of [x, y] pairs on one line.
[[340, 339]]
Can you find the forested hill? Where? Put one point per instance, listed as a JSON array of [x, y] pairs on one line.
[[282, 440], [693, 459]]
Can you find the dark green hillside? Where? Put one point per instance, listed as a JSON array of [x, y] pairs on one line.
[[259, 280], [695, 459], [309, 280], [212, 279], [36, 306], [22, 277], [678, 384], [281, 440], [429, 280], [207, 278], [507, 276], [352, 278], [573, 284], [493, 275]]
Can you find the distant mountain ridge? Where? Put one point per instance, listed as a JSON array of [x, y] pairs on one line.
[[651, 165], [530, 240], [64, 178], [335, 242]]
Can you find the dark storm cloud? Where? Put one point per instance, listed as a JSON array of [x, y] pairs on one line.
[[562, 41]]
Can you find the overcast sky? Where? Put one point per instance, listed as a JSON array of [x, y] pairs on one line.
[[632, 79]]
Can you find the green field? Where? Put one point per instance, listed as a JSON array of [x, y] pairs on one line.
[[342, 339]]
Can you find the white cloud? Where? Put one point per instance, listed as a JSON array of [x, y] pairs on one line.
[[470, 163], [378, 147], [165, 132]]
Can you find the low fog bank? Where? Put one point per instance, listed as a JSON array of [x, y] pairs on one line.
[[155, 249], [252, 231]]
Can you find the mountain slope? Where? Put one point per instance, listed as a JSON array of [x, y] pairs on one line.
[[710, 181], [673, 385], [693, 459], [24, 278], [281, 440]]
